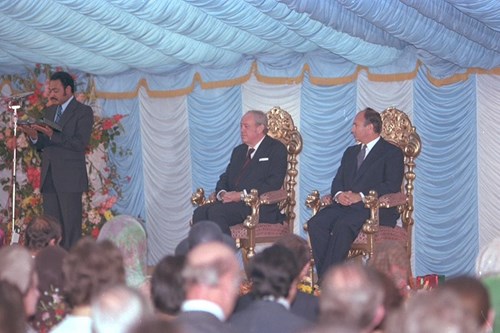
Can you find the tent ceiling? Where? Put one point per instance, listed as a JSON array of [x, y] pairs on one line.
[[113, 36]]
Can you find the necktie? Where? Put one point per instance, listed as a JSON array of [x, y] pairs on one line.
[[361, 155], [245, 165], [58, 114]]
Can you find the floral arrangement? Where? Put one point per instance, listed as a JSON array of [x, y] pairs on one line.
[[103, 180], [53, 309]]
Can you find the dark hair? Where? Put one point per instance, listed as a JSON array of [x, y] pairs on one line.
[[40, 231], [12, 315], [156, 325], [167, 287], [91, 267], [273, 271], [374, 118], [65, 78], [299, 248], [473, 295]]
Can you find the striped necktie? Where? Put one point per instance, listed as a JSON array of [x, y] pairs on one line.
[[59, 113]]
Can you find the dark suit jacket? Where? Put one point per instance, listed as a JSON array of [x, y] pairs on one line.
[[267, 317], [64, 153], [266, 172], [382, 171], [304, 305], [201, 322]]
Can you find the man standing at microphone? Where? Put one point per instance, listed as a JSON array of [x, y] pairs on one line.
[[64, 172]]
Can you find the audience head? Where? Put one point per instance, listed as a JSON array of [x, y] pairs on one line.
[[203, 232], [352, 295], [41, 232], [12, 315], [391, 259], [253, 127], [129, 236], [167, 285], [434, 311], [300, 250], [118, 309], [212, 273], [91, 267], [274, 272], [488, 260], [473, 296], [18, 268]]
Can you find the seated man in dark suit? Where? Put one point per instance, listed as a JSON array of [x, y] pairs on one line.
[[260, 163], [374, 164], [274, 273]]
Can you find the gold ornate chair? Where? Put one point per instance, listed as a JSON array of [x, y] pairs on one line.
[[253, 231], [397, 129]]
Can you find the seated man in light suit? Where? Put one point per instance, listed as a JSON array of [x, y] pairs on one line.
[[333, 230], [260, 163]]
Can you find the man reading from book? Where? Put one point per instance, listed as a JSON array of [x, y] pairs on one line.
[[64, 172]]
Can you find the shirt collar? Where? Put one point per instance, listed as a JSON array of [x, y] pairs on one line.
[[204, 306], [280, 300], [257, 145], [65, 104], [371, 144]]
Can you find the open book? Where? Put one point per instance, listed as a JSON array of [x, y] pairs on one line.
[[43, 121]]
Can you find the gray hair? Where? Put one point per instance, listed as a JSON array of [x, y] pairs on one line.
[[260, 118]]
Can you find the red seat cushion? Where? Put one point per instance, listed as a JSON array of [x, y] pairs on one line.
[[385, 233], [262, 230]]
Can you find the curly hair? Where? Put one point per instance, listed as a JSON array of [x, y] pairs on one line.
[[91, 267]]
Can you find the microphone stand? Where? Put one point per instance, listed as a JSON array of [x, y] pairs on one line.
[[14, 105]]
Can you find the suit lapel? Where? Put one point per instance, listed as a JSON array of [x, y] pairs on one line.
[[69, 112]]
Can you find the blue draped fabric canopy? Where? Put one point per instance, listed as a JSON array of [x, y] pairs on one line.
[[107, 37]]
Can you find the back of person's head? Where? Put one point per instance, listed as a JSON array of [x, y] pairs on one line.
[[212, 273], [42, 231], [352, 295], [203, 232], [17, 267], [48, 265], [129, 236], [488, 260], [167, 285], [299, 248], [273, 271], [118, 309], [91, 267], [435, 311], [12, 315], [473, 295]]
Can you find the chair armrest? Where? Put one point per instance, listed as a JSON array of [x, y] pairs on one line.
[[393, 200], [273, 197], [198, 197]]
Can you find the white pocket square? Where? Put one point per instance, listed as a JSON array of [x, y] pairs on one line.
[[263, 159]]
